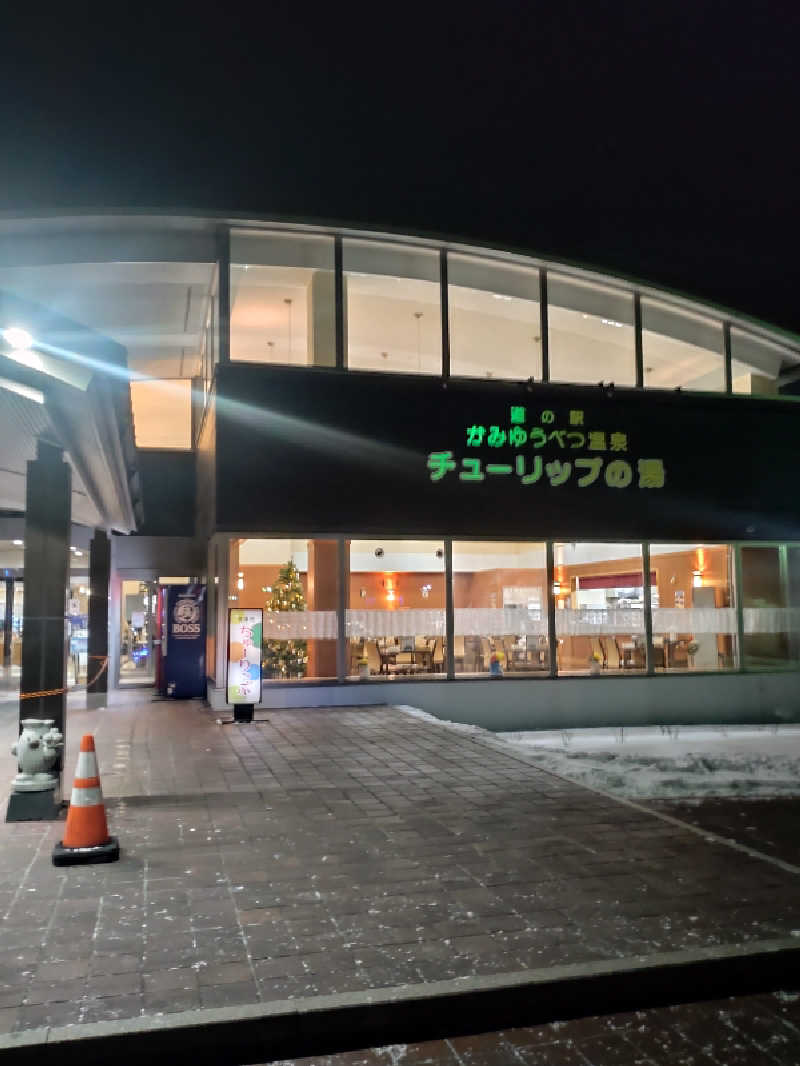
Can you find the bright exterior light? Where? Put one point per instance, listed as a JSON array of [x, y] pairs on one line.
[[17, 337], [22, 390], [26, 357], [18, 543], [78, 552]]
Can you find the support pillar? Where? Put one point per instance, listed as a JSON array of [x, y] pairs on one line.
[[47, 533], [323, 595], [99, 578], [322, 318]]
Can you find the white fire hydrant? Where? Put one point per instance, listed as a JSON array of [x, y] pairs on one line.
[[36, 750]]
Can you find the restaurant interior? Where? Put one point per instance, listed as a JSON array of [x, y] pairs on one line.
[[396, 607]]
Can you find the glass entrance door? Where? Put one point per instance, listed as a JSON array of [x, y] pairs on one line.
[[137, 623], [11, 603]]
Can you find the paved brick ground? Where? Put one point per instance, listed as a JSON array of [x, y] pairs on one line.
[[747, 1031], [770, 825], [338, 850]]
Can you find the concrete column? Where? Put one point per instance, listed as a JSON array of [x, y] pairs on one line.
[[322, 318], [755, 384], [47, 533], [223, 603], [323, 583], [99, 578]]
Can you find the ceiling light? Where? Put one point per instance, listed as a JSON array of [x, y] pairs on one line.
[[17, 337], [17, 542]]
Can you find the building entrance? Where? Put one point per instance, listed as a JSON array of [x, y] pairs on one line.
[[137, 631], [11, 602]]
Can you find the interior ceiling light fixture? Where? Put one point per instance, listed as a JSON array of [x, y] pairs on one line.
[[17, 337]]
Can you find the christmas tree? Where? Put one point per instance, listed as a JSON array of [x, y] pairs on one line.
[[285, 658]]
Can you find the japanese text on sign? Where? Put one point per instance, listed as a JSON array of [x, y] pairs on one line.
[[244, 655], [543, 452]]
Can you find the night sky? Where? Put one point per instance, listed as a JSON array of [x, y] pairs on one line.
[[653, 140]]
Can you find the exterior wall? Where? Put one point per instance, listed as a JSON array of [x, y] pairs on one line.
[[566, 703], [163, 555]]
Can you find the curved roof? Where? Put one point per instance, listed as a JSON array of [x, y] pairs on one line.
[[154, 234]]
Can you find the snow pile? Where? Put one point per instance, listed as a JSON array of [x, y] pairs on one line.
[[671, 761], [459, 727]]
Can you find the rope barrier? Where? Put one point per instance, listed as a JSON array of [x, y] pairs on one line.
[[59, 691]]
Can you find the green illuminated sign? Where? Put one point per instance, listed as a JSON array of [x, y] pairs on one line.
[[538, 454]]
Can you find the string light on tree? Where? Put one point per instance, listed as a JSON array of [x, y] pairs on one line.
[[285, 658]]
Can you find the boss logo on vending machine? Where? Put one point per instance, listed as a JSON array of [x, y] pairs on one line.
[[186, 618]]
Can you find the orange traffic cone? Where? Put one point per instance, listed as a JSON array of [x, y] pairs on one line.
[[86, 836]]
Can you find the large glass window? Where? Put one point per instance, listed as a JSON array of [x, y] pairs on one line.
[[694, 614], [295, 581], [755, 364], [771, 612], [681, 350], [162, 413], [591, 336], [393, 320], [494, 319], [599, 594], [500, 604], [396, 609], [282, 299]]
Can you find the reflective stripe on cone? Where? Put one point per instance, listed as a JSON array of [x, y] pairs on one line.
[[86, 818]]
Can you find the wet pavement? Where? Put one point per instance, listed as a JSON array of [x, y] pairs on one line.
[[745, 1031], [339, 850]]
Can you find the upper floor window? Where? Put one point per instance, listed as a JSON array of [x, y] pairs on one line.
[[282, 299], [162, 413], [393, 311], [495, 327], [755, 364], [681, 349], [591, 336]]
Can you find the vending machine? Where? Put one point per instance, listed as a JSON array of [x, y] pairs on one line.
[[183, 642]]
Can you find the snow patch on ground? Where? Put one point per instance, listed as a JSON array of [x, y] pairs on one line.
[[672, 762], [661, 762], [459, 727]]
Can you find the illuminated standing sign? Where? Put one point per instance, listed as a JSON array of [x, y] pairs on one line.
[[551, 451], [244, 655]]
